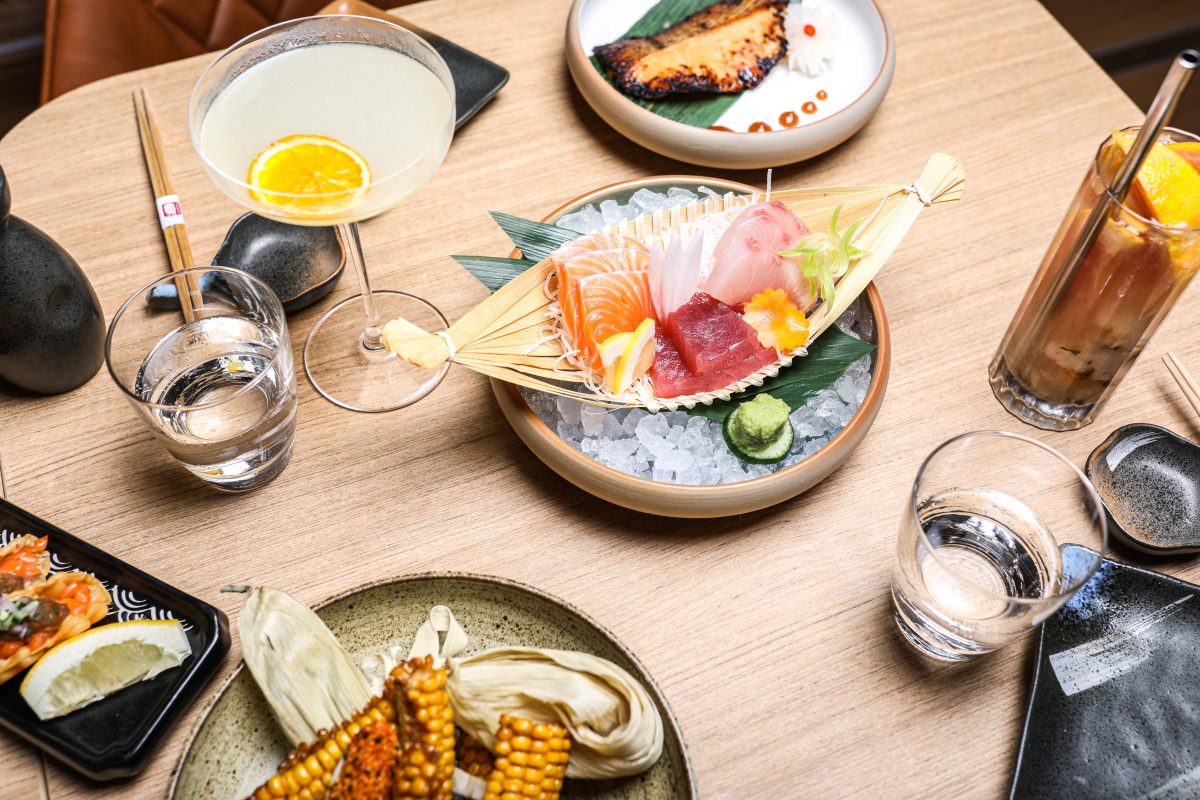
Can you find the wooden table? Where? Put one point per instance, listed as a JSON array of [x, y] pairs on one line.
[[771, 634]]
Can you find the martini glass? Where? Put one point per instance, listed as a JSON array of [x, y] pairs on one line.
[[328, 121]]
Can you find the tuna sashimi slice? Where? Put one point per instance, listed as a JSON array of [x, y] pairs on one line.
[[713, 339], [670, 376]]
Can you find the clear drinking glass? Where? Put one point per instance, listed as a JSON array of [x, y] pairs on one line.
[[383, 100], [1087, 315], [218, 390], [1000, 531]]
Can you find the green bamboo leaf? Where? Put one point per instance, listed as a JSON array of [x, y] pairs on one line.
[[828, 357], [699, 111], [535, 240], [491, 271]]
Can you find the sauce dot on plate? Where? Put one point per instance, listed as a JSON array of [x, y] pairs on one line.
[[759, 127], [720, 128], [809, 108], [789, 119], [822, 95], [809, 30]]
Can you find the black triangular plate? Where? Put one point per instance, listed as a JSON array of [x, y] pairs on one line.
[[1114, 711]]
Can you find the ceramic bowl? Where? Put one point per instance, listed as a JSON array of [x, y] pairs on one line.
[[704, 501], [237, 744], [1149, 481], [300, 263], [852, 90]]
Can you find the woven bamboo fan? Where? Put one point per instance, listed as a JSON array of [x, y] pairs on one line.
[[505, 336]]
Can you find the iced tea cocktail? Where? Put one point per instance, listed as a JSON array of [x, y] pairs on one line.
[[1090, 310]]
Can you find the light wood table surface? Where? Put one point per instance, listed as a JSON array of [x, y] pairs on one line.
[[771, 634]]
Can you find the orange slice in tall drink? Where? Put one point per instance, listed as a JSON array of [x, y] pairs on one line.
[[1189, 150], [1167, 182]]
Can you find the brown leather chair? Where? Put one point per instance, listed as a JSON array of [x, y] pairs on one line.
[[91, 39]]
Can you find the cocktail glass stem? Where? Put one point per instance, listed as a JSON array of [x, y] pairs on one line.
[[372, 338]]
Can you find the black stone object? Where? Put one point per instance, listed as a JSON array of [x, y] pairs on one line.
[[51, 325], [1149, 481], [1114, 711], [301, 264]]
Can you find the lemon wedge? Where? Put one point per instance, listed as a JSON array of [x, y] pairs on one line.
[[98, 662], [309, 176], [634, 360], [1167, 181], [610, 351]]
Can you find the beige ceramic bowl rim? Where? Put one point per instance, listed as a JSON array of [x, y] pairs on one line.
[[672, 728], [681, 492], [669, 127]]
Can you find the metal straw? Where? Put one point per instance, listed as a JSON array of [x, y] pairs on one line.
[[1164, 104]]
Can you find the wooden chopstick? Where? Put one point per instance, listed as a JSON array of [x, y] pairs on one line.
[[1185, 381], [166, 204]]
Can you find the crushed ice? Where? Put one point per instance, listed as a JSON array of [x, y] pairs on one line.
[[674, 446]]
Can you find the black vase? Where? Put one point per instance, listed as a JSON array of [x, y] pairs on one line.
[[51, 325]]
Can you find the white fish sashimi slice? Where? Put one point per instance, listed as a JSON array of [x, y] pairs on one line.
[[689, 275], [657, 271], [675, 273]]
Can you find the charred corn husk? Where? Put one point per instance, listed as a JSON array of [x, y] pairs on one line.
[[473, 757], [370, 764], [531, 760], [308, 771], [425, 768]]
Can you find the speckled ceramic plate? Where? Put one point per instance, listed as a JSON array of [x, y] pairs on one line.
[[1149, 481], [703, 501], [786, 118], [237, 745]]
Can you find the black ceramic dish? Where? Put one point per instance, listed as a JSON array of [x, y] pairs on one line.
[[1149, 481], [301, 264], [1112, 712], [476, 79], [115, 737]]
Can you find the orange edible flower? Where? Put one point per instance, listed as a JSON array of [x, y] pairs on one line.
[[779, 323]]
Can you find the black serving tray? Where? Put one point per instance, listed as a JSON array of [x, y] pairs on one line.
[[1112, 712], [476, 79], [115, 737]]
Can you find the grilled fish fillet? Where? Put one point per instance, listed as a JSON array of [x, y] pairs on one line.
[[727, 47]]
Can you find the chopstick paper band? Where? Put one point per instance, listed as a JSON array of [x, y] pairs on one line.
[[170, 212]]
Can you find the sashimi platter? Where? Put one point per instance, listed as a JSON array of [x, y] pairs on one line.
[[689, 305]]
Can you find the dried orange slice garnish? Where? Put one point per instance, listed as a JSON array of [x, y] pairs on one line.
[[1168, 183], [309, 175]]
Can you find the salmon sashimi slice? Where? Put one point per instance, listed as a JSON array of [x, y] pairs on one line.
[[596, 241], [612, 303], [579, 266]]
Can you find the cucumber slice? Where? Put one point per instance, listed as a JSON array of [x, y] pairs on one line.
[[772, 453]]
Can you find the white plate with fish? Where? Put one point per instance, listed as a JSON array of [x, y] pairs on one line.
[[735, 84]]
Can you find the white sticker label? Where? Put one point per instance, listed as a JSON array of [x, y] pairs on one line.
[[169, 211]]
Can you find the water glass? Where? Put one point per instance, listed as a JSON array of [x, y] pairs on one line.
[[217, 387], [999, 532]]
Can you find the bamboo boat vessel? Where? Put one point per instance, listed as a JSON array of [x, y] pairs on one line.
[[506, 336]]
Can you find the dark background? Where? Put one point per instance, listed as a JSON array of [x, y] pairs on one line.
[[1133, 40]]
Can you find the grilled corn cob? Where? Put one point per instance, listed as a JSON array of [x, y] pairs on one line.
[[370, 764], [425, 768], [308, 771], [473, 757], [531, 760]]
